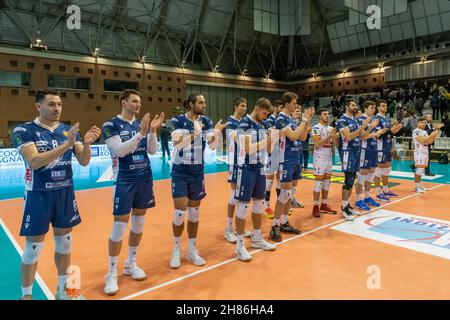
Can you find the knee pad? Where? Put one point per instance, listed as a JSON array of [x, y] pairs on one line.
[[420, 171], [318, 185], [241, 210], [349, 180], [63, 244], [193, 214], [137, 224], [326, 185], [378, 172], [118, 231], [31, 252], [178, 217], [232, 201], [369, 177], [361, 179], [258, 206], [386, 171], [269, 184], [285, 196]]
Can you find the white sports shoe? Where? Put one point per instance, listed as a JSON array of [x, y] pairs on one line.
[[135, 272], [424, 189], [419, 190], [175, 261], [262, 244], [230, 236], [68, 294], [247, 234], [111, 287], [194, 257], [243, 254]]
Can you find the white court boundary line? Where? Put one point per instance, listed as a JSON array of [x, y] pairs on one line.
[[139, 293], [38, 278]]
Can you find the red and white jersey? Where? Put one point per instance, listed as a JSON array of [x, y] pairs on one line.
[[419, 147], [323, 131]]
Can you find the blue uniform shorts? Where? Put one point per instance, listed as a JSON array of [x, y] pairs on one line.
[[368, 158], [290, 172], [192, 187], [41, 208], [129, 196], [251, 183], [350, 160], [232, 173]]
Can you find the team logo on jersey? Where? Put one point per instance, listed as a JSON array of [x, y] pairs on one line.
[[28, 175], [65, 133], [107, 133], [18, 139]]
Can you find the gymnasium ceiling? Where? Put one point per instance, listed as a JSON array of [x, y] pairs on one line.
[[203, 34]]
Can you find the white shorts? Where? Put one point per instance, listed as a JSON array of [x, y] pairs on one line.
[[322, 165], [421, 159]]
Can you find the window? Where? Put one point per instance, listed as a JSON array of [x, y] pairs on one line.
[[116, 97], [31, 93], [56, 81], [169, 100], [159, 78], [149, 77], [90, 71], [169, 79], [116, 74], [339, 84], [76, 69], [103, 72], [159, 88], [91, 96], [323, 85], [62, 68], [149, 88], [317, 86], [160, 99], [374, 79], [178, 90], [138, 75], [356, 81], [77, 95], [14, 79], [179, 100], [104, 96], [63, 94], [12, 63], [117, 85], [347, 83], [14, 92], [46, 66], [150, 99], [178, 79], [331, 84], [365, 81], [127, 74], [30, 65], [169, 89]]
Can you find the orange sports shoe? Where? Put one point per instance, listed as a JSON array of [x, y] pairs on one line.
[[326, 209]]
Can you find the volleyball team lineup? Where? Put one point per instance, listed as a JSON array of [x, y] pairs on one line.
[[263, 147]]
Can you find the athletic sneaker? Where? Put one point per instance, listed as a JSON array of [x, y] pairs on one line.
[[230, 236], [390, 194], [326, 209], [316, 211], [353, 211], [247, 234], [288, 228], [68, 294], [382, 197], [296, 204], [243, 254], [269, 213], [419, 190], [360, 204], [369, 201], [26, 297], [175, 261], [425, 189], [275, 234], [347, 214], [262, 244], [135, 272], [111, 287], [195, 258]]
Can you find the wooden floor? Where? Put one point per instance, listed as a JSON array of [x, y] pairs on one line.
[[319, 264]]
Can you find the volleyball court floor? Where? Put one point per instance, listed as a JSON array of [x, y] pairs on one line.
[[398, 251]]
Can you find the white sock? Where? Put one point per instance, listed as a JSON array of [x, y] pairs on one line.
[[229, 224], [418, 185], [378, 189], [278, 184], [27, 290], [113, 264], [192, 244], [324, 201], [257, 234], [284, 218], [367, 194], [316, 202], [358, 196], [275, 222], [132, 251], [62, 280], [177, 242], [240, 241], [385, 188], [344, 203], [269, 184]]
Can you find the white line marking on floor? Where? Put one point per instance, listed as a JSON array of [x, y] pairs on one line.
[[16, 245], [134, 295]]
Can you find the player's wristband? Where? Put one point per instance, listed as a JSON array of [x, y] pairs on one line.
[[305, 119]]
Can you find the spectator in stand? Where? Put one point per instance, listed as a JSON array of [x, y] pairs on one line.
[[391, 108], [446, 123], [435, 101], [316, 102]]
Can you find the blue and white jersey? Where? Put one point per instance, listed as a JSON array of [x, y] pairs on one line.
[[290, 151], [352, 124], [190, 160], [58, 173], [270, 122], [257, 132], [384, 141], [231, 127], [370, 143], [133, 167]]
